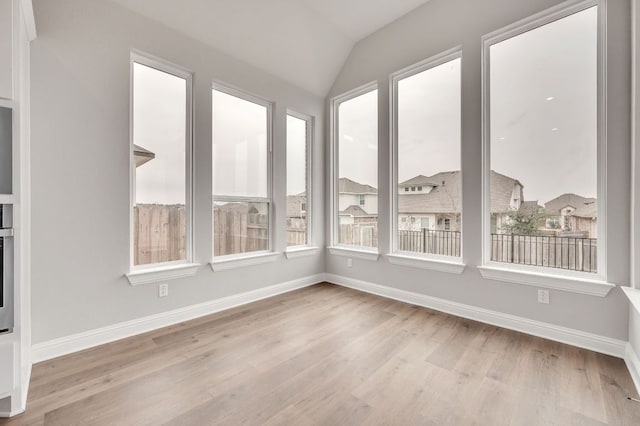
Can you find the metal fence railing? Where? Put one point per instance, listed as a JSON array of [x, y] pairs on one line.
[[572, 253]]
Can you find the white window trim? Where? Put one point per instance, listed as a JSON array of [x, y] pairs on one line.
[[162, 273], [242, 260], [334, 205], [443, 264], [358, 253], [572, 281], [404, 257], [310, 125], [301, 251], [163, 270], [269, 105]]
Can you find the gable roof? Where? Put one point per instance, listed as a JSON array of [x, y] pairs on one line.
[[349, 186], [567, 200], [588, 209], [356, 211], [445, 197], [530, 206], [502, 192], [418, 180]]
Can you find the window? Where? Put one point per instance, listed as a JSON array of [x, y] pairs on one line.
[[298, 173], [355, 156], [161, 167], [426, 123], [542, 139], [241, 172]]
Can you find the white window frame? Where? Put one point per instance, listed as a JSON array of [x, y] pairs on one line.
[[336, 248], [143, 274], [453, 264], [229, 261], [573, 281], [310, 125]]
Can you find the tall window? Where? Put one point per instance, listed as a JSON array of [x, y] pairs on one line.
[[298, 197], [426, 132], [241, 173], [161, 147], [356, 189], [541, 204]]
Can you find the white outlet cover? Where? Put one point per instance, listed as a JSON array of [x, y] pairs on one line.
[[543, 296], [163, 290]]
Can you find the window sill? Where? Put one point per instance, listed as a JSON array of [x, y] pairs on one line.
[[593, 287], [233, 262], [633, 294], [356, 253], [452, 267], [296, 252], [162, 273]]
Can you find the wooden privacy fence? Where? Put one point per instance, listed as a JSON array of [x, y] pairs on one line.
[[239, 232], [445, 243], [159, 233], [359, 234], [296, 231], [577, 254]]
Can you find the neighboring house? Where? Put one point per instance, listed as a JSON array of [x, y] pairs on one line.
[[430, 202], [433, 202], [571, 214], [297, 206], [357, 203], [356, 214]]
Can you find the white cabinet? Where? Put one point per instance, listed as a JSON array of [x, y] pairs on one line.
[[6, 49], [6, 369]]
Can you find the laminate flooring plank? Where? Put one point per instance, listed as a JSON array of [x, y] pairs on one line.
[[331, 355]]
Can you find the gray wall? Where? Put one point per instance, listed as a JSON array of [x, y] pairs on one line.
[[438, 26], [80, 167]]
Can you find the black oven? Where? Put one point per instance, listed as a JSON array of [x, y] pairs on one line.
[[6, 268]]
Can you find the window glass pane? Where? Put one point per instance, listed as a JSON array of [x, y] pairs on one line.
[[543, 92], [240, 227], [159, 137], [358, 170], [429, 161], [297, 215], [239, 146]]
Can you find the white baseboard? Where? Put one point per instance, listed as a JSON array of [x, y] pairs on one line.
[[88, 339], [581, 339], [633, 365]]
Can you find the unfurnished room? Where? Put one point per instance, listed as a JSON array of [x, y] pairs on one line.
[[319, 212]]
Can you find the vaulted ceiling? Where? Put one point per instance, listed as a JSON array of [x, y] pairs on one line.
[[304, 42]]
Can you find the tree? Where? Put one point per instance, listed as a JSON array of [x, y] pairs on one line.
[[524, 221]]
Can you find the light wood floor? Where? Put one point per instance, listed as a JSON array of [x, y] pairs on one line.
[[330, 355]]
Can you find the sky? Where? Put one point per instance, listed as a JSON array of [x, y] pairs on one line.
[[239, 147], [358, 138], [159, 108], [543, 123], [544, 109], [296, 155]]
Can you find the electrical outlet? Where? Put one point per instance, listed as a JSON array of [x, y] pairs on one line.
[[349, 263], [163, 290], [543, 296]]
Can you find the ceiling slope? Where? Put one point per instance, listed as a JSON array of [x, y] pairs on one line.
[[304, 42]]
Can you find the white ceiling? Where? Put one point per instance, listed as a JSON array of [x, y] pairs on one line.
[[304, 42]]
